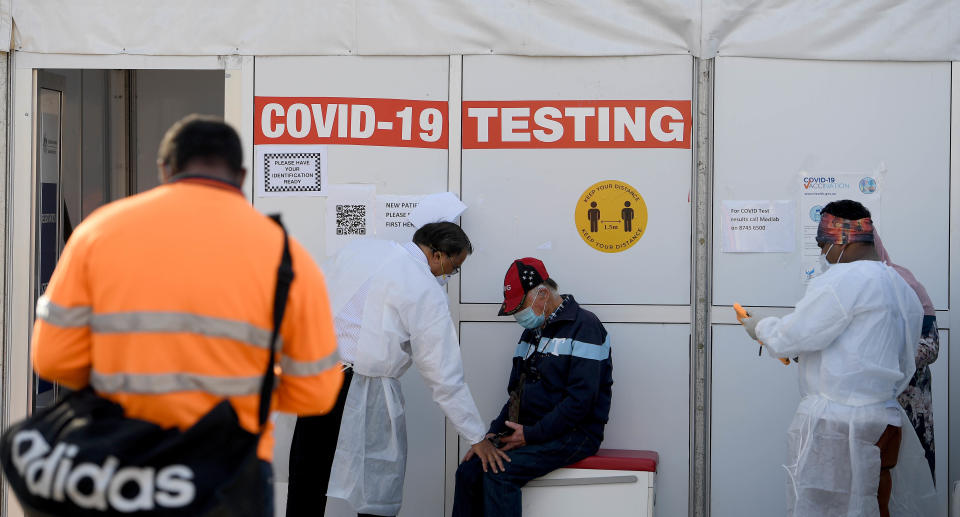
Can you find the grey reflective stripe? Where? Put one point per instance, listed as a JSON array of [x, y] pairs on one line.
[[63, 316], [608, 480], [296, 368], [130, 322], [155, 384]]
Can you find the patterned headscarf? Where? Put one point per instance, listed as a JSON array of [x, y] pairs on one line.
[[837, 230]]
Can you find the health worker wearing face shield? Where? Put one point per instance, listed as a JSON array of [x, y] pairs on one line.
[[559, 394], [851, 449], [390, 311]]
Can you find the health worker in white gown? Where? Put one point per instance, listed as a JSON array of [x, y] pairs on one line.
[[390, 312], [854, 334]]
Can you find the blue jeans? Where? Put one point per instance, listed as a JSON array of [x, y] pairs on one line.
[[480, 493]]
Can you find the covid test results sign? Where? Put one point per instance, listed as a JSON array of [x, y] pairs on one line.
[[758, 226]]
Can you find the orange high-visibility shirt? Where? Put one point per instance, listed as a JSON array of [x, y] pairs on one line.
[[163, 302]]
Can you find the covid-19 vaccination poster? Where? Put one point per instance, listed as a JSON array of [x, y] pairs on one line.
[[815, 190]]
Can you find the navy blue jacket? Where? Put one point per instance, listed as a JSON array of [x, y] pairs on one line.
[[569, 377]]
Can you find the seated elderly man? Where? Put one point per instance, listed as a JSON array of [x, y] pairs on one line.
[[560, 389]]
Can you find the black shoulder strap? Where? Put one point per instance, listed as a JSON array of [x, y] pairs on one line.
[[280, 295]]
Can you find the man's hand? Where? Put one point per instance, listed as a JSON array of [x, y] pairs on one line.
[[490, 456], [471, 453], [516, 439]]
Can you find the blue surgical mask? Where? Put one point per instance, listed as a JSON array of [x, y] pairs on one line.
[[529, 319]]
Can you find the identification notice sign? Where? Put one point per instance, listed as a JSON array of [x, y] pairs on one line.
[[290, 170]]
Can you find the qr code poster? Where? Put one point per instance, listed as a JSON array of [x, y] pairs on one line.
[[291, 170], [350, 214]]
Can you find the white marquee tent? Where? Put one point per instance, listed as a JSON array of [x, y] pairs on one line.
[[912, 30], [846, 86]]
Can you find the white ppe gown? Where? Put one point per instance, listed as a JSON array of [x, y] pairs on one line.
[[855, 332], [406, 320]]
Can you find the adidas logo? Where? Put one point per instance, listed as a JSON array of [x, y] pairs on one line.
[[51, 474]]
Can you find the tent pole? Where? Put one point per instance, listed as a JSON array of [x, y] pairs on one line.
[[702, 210]]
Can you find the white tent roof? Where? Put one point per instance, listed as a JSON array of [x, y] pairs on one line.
[[916, 30]]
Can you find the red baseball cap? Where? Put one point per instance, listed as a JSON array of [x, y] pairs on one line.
[[522, 276]]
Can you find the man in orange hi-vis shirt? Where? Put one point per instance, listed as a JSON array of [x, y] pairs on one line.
[[162, 302]]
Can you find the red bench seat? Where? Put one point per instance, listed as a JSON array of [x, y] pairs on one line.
[[620, 459]]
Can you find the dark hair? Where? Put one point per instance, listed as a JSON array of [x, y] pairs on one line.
[[551, 283], [846, 209], [444, 237], [201, 138]]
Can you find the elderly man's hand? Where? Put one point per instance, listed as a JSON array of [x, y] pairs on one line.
[[516, 439]]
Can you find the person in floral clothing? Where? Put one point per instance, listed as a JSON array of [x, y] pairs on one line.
[[917, 398]]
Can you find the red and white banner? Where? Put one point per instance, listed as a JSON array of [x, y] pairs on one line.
[[486, 124], [350, 121], [576, 124]]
